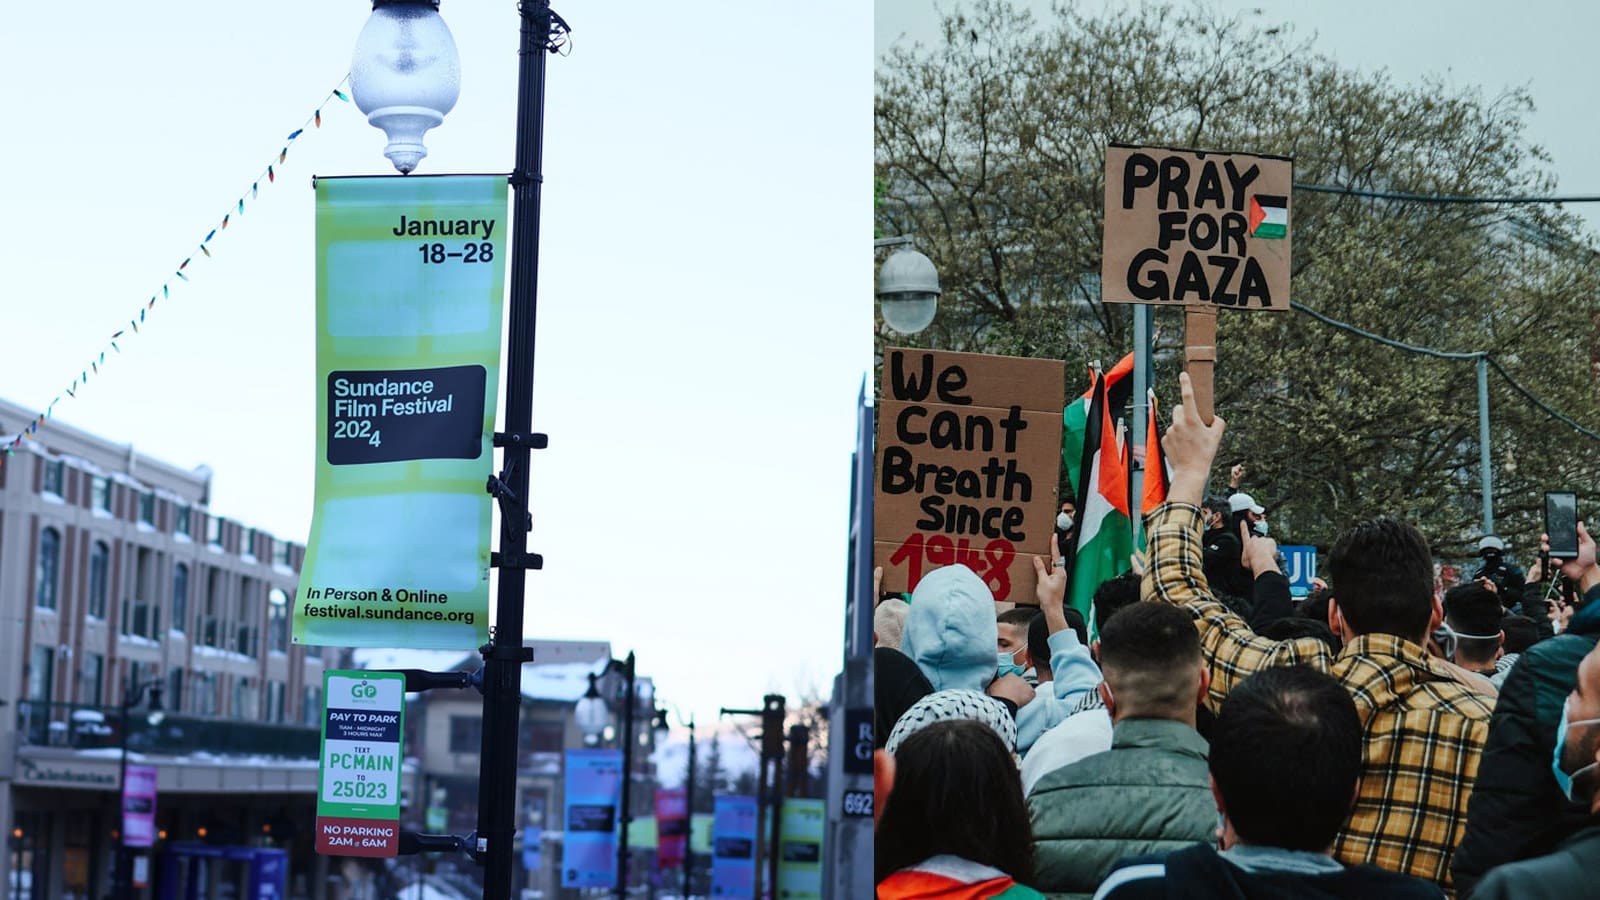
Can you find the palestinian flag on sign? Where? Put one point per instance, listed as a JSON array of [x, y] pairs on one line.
[[1074, 419], [1269, 216], [1105, 532]]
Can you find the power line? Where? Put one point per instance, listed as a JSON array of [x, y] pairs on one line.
[[1441, 198], [1443, 354]]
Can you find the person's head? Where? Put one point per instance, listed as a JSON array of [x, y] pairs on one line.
[[1012, 635], [1213, 510], [1243, 508], [1290, 627], [1473, 614], [1285, 756], [948, 706], [1577, 751], [1382, 581], [1492, 549], [950, 631], [889, 622], [1112, 596], [1065, 516], [1150, 659], [1521, 633], [956, 791]]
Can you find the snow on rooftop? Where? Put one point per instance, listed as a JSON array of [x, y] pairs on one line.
[[561, 682]]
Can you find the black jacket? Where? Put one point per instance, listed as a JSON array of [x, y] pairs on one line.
[[897, 684], [1200, 873], [1516, 811], [1568, 872]]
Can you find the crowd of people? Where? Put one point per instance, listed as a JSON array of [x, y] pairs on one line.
[[1214, 736]]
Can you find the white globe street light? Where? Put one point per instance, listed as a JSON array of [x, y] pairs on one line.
[[908, 291], [591, 713], [405, 75]]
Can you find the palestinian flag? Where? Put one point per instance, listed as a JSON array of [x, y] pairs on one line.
[[1156, 477], [1269, 216], [1105, 532], [1075, 417], [953, 878]]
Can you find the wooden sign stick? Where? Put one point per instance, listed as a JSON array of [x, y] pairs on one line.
[[1200, 354]]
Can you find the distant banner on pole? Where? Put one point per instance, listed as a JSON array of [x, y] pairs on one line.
[[733, 848], [139, 807], [800, 863], [410, 286], [589, 846], [672, 827]]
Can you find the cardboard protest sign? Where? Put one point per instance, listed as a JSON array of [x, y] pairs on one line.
[[969, 453], [1192, 227]]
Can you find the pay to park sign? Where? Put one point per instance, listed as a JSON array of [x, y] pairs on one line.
[[410, 278], [1191, 227], [968, 460], [358, 783]]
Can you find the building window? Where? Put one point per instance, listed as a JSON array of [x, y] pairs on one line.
[[275, 692], [183, 523], [210, 629], [93, 679], [247, 634], [544, 737], [280, 553], [47, 571], [55, 471], [180, 598], [247, 546], [278, 621], [245, 696], [311, 706], [99, 578], [214, 531], [174, 699], [205, 693], [100, 494], [42, 673], [147, 508], [466, 734]]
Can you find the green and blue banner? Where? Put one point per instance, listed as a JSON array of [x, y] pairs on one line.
[[800, 867], [593, 789], [410, 287]]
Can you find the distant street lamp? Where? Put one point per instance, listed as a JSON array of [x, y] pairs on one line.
[[405, 75], [908, 287], [593, 716], [130, 698]]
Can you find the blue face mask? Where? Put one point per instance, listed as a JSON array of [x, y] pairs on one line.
[[1007, 666], [1564, 780]]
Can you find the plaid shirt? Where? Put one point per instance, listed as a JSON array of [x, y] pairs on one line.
[[1424, 726]]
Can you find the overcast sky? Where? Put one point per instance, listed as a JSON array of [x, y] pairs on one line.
[[704, 299], [1545, 46]]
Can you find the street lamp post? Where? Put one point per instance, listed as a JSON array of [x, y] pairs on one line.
[[908, 287], [404, 77], [130, 698], [591, 717]]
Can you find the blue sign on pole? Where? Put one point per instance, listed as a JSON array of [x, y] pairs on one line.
[[1300, 566], [532, 855], [589, 846], [733, 848]]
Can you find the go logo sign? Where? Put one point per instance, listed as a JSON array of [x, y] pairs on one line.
[[363, 691]]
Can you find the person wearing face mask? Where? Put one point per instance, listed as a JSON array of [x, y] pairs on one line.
[[1013, 656], [1516, 810], [1567, 870]]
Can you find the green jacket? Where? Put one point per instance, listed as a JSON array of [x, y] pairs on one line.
[[1149, 794]]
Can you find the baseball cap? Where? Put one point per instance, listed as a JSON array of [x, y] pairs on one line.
[[1242, 501]]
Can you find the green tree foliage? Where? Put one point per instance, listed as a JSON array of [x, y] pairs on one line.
[[990, 150]]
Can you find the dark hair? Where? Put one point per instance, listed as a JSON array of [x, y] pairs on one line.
[[1290, 627], [1382, 573], [1285, 754], [1474, 609], [1020, 615], [957, 791], [1521, 633], [1112, 595], [1039, 635], [1150, 654]]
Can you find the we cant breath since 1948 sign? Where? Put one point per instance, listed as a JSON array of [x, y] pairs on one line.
[[1187, 227]]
